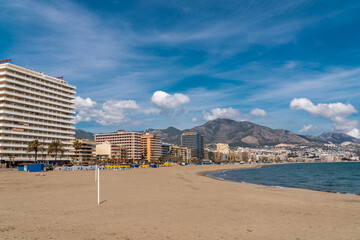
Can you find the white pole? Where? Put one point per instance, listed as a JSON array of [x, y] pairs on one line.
[[98, 179], [95, 172]]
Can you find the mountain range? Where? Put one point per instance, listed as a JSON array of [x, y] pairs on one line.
[[243, 133]]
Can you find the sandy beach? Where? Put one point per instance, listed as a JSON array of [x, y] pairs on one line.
[[167, 203]]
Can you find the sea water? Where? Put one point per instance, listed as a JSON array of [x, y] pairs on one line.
[[338, 177]]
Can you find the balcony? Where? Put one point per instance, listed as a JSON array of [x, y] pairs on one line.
[[34, 122], [8, 112], [6, 92], [35, 135], [36, 106], [51, 82], [9, 125], [38, 90], [34, 111]]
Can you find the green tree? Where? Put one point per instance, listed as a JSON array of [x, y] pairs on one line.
[[112, 160], [77, 145], [11, 157], [144, 154], [34, 146], [56, 147], [152, 153]]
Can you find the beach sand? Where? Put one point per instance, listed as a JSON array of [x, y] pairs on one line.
[[167, 203]]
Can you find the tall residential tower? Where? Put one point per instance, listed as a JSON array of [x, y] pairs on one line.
[[194, 141], [151, 145], [34, 106]]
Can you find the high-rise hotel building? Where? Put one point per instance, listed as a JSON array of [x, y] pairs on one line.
[[194, 141], [151, 145], [34, 106], [130, 140]]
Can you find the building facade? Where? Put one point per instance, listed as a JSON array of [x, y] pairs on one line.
[[165, 149], [180, 153], [85, 153], [108, 151], [223, 148], [34, 106], [151, 147], [195, 142], [130, 140]]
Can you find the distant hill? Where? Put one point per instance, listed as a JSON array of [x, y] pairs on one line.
[[235, 134], [80, 134], [241, 134], [245, 133], [168, 135], [338, 138]]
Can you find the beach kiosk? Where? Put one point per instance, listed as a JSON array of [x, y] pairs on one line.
[[31, 167]]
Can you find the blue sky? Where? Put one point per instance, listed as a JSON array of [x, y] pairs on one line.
[[152, 64]]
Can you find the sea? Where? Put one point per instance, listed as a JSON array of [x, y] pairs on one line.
[[337, 177]]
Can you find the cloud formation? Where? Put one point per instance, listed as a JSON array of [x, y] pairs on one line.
[[258, 112], [325, 110], [215, 113], [336, 112], [308, 128], [109, 112], [167, 101]]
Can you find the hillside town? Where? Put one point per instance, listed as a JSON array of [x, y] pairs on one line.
[[133, 147]]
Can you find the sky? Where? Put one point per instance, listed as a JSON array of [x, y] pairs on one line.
[[291, 65]]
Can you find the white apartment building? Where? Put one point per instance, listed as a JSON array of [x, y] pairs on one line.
[[130, 140], [181, 153], [34, 106]]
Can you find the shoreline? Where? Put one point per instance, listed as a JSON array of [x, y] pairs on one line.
[[204, 174]]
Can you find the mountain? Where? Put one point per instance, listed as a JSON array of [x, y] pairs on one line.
[[244, 134], [235, 134], [169, 135], [337, 138], [80, 134]]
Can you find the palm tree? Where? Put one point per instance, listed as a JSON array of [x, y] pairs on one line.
[[34, 146], [112, 159], [77, 145], [43, 149], [11, 157], [56, 147], [144, 154]]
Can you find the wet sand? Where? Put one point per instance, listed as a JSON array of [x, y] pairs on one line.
[[167, 203]]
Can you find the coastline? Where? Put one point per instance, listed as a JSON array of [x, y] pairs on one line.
[[168, 203], [205, 174], [243, 166]]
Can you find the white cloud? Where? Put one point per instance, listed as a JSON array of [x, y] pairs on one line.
[[110, 112], [85, 109], [354, 133], [148, 111], [81, 103], [215, 113], [336, 112], [307, 128], [113, 105], [258, 112], [194, 120], [325, 110], [168, 101]]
